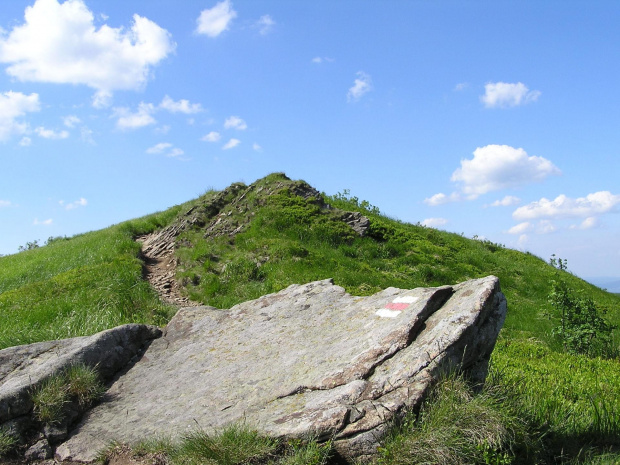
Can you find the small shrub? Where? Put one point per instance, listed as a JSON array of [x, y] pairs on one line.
[[581, 328]]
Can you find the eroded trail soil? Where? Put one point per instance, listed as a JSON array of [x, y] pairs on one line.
[[160, 266]]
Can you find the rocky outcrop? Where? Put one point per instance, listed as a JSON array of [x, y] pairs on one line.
[[24, 368], [310, 359]]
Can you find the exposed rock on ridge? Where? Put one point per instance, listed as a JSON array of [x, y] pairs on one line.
[[226, 213], [310, 359]]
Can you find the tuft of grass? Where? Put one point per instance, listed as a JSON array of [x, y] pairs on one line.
[[84, 384], [50, 399], [456, 426], [78, 383], [236, 444], [308, 452], [7, 442]]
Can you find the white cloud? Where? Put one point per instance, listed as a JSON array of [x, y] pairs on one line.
[[86, 135], [182, 106], [564, 207], [507, 201], [71, 121], [496, 167], [165, 148], [434, 222], [589, 223], [520, 228], [59, 43], [159, 148], [545, 227], [265, 24], [47, 222], [212, 137], [461, 86], [231, 144], [504, 94], [12, 106], [50, 133], [4, 203], [25, 142], [441, 198], [523, 240], [142, 117], [163, 129], [361, 86], [82, 202], [212, 22], [257, 147], [319, 60], [234, 122]]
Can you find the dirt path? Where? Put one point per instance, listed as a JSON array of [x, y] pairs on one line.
[[160, 266]]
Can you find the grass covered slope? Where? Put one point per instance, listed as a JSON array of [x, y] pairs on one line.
[[247, 241]]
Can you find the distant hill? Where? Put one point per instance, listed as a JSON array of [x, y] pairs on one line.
[[610, 284]]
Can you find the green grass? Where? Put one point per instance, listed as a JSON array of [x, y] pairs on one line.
[[236, 444], [94, 281], [7, 442], [79, 286], [78, 383]]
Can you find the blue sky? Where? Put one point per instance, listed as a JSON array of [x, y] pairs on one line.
[[492, 119]]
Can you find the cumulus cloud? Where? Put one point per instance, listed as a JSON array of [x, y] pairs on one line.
[[50, 133], [159, 148], [319, 60], [520, 228], [265, 24], [234, 122], [504, 95], [143, 116], [562, 206], [434, 222], [212, 22], [182, 106], [589, 223], [71, 121], [461, 86], [47, 222], [14, 105], [59, 43], [257, 147], [441, 198], [82, 202], [232, 143], [496, 167], [213, 136], [4, 203], [361, 86], [166, 149], [25, 142], [507, 201]]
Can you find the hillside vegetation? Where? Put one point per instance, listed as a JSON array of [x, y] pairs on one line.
[[252, 240]]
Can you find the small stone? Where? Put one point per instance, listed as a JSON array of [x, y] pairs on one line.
[[40, 451], [55, 433]]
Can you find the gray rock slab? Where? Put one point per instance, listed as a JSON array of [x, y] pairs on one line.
[[22, 368], [310, 359]]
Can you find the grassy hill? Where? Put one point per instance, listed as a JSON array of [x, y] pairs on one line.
[[247, 241]]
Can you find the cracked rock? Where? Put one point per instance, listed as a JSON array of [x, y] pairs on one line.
[[308, 360]]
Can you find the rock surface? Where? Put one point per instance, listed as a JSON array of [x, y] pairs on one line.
[[310, 359], [23, 368]]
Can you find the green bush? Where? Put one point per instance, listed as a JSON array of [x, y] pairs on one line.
[[581, 328]]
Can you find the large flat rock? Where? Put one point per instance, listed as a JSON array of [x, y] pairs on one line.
[[310, 359]]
